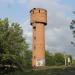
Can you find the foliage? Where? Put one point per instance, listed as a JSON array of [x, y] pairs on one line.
[[54, 59], [72, 27], [59, 59], [13, 46], [49, 59], [48, 71]]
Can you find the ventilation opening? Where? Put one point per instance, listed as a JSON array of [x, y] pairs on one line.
[[34, 47], [34, 27], [33, 12], [34, 57], [34, 38], [39, 11]]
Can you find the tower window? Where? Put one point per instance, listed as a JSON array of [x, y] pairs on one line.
[[39, 11], [34, 37], [34, 57], [34, 47], [34, 27]]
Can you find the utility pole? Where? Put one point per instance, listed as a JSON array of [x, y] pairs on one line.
[[65, 58]]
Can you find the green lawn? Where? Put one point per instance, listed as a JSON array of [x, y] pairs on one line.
[[55, 70]]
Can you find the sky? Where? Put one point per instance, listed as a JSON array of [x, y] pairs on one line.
[[57, 33]]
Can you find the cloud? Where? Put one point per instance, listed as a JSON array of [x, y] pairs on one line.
[[7, 1], [57, 32], [27, 30], [22, 1], [58, 35], [13, 2]]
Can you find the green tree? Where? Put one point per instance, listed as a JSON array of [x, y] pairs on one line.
[[3, 32], [49, 59], [13, 45], [59, 59], [72, 27], [28, 58]]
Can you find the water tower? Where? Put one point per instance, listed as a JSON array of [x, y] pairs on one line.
[[38, 22]]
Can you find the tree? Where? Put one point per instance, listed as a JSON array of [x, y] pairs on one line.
[[72, 27], [49, 59], [13, 45], [59, 59], [3, 31], [28, 58], [55, 59]]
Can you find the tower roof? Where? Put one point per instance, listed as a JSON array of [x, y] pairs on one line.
[[38, 15], [38, 9]]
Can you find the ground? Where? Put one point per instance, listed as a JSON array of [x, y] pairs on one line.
[[61, 70]]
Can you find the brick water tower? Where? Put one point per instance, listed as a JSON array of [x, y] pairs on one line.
[[38, 22]]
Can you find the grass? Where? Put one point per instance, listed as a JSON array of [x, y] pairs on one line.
[[54, 70]]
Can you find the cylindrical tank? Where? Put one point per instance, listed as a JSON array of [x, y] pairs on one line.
[[38, 22], [38, 15]]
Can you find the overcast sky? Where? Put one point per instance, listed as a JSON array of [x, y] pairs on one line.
[[57, 33]]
